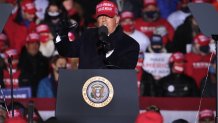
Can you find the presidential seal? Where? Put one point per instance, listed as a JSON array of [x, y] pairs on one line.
[[97, 92]]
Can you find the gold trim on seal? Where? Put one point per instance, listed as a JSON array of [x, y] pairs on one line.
[[99, 79]]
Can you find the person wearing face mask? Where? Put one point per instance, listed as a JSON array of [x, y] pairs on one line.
[[179, 16], [104, 47], [198, 60], [48, 86], [151, 22], [47, 47], [177, 84], [156, 45], [53, 16], [210, 81], [20, 24]]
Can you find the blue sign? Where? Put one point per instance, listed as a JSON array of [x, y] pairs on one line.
[[21, 93]]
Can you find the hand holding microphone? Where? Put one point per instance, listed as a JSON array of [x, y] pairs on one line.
[[104, 44]]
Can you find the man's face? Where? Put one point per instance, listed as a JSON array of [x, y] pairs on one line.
[[150, 8], [29, 17], [110, 23], [32, 48]]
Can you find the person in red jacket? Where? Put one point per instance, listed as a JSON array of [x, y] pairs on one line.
[[198, 60], [151, 22], [18, 27], [15, 72]]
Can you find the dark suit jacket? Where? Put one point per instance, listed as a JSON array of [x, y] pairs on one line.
[[125, 53]]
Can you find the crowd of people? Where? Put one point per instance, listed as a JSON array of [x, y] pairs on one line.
[[159, 26]]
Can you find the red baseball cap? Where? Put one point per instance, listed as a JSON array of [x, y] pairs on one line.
[[206, 114], [11, 52], [42, 28], [106, 8], [126, 15], [28, 7], [202, 40], [149, 117], [32, 37], [150, 2], [177, 57]]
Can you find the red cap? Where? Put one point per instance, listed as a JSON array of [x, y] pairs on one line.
[[177, 57], [206, 114], [202, 40], [106, 8], [149, 117], [32, 37], [42, 28], [11, 52], [150, 2], [28, 7], [3, 37], [126, 15]]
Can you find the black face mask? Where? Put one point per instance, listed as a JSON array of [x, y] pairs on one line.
[[205, 49], [151, 15], [157, 50], [185, 9]]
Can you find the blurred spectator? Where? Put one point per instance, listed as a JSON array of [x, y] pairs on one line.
[[208, 84], [149, 117], [3, 47], [151, 22], [3, 113], [33, 65], [153, 108], [3, 42], [148, 84], [206, 116], [72, 63], [128, 5], [184, 34], [197, 61], [180, 121], [18, 28], [53, 15], [47, 47], [167, 7], [127, 22], [13, 55], [177, 84], [48, 86], [178, 17], [41, 6], [157, 45]]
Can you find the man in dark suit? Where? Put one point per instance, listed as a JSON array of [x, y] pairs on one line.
[[103, 47]]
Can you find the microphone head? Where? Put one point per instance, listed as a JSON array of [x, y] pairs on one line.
[[102, 30]]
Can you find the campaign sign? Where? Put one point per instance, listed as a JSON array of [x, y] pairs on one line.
[[22, 93], [157, 64]]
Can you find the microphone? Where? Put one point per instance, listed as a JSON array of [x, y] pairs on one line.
[[30, 112], [10, 58], [104, 44]]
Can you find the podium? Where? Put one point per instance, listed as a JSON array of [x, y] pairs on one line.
[[97, 96]]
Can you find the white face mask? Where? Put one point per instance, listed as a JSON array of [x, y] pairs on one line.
[[53, 14]]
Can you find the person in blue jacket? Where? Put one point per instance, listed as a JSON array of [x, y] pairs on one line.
[[48, 86]]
